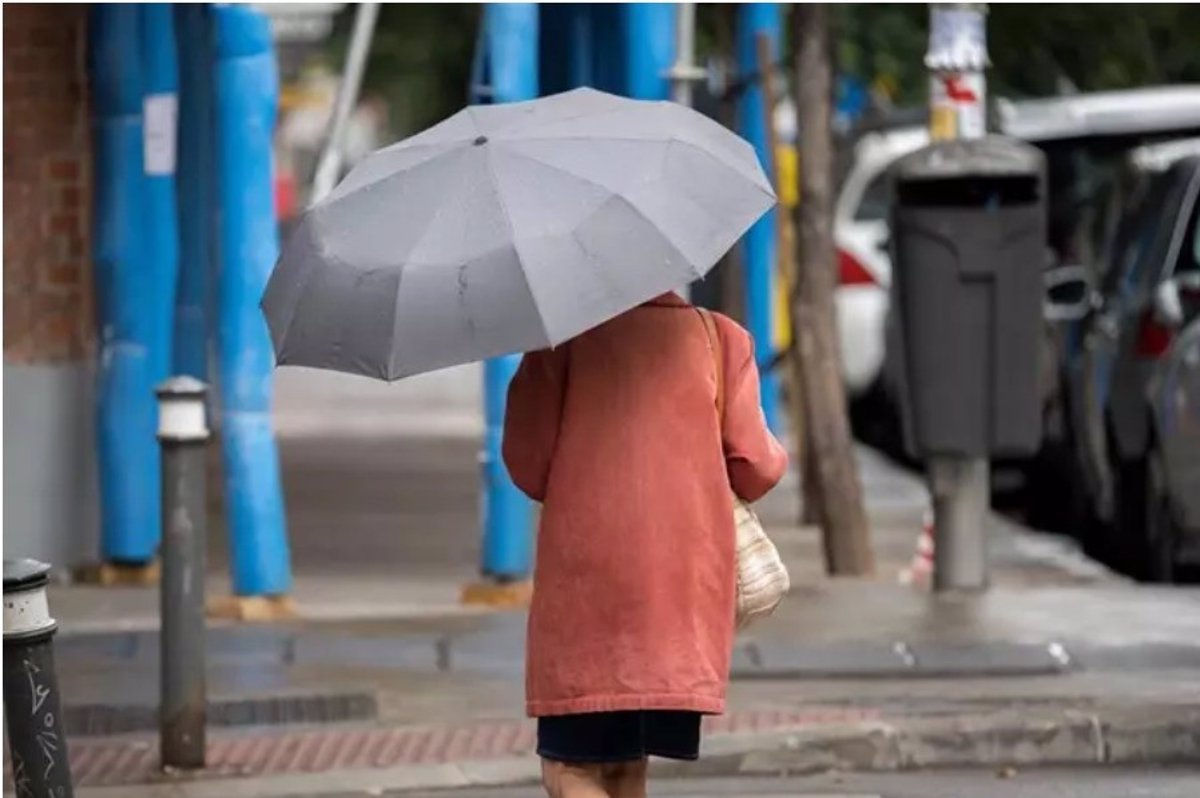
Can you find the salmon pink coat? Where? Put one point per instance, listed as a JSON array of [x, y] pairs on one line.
[[617, 434]]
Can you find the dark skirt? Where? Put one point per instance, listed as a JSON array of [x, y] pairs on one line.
[[619, 736]]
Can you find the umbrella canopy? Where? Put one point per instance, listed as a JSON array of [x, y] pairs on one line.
[[509, 228]]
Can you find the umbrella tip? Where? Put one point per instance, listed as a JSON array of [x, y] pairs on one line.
[[481, 140]]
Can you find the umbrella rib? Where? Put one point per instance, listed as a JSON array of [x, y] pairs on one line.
[[613, 196], [283, 336], [334, 199], [629, 105], [659, 140], [618, 195], [512, 233]]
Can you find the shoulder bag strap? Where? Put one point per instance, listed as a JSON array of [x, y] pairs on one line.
[[714, 345]]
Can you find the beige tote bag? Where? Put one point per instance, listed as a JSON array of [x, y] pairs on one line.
[[762, 578]]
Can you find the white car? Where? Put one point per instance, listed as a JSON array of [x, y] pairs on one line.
[[860, 216], [860, 231]]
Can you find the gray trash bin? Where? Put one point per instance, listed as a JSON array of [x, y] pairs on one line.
[[968, 243]]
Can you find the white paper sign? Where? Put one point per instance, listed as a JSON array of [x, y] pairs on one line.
[[957, 39], [160, 115]]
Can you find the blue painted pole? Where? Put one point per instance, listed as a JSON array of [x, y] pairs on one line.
[[649, 49], [759, 242], [247, 91], [160, 110], [195, 190], [581, 37], [511, 40], [127, 451]]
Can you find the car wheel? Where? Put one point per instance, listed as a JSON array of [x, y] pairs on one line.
[[1125, 536], [1161, 536]]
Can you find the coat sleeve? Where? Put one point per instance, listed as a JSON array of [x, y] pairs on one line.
[[531, 420], [755, 459]]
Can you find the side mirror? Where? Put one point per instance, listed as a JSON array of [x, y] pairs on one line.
[[1069, 294], [1168, 305]]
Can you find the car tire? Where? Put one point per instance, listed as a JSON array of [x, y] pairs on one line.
[[1161, 536], [1126, 539]]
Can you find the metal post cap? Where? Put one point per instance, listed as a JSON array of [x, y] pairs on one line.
[[24, 574], [181, 416], [181, 387]]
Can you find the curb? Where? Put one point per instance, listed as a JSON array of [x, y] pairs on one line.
[[1141, 735], [1036, 737]]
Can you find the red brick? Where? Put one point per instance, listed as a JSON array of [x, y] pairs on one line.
[[64, 224], [20, 63], [47, 281], [45, 37], [70, 198], [62, 275], [63, 169]]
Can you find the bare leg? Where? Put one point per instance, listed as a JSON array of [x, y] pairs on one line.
[[566, 780], [626, 779]]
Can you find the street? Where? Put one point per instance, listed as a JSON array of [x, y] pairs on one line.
[[1049, 783]]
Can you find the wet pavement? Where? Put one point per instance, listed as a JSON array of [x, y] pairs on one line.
[[384, 536], [827, 643], [1126, 782]]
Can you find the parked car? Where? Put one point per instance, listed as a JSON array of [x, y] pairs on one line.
[[1173, 500], [864, 266], [1084, 138], [1148, 288]]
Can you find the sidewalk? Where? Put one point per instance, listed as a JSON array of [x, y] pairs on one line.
[[388, 527], [386, 682]]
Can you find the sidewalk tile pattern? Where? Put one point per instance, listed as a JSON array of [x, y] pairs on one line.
[[135, 760]]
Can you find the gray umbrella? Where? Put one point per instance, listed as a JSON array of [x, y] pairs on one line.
[[509, 228]]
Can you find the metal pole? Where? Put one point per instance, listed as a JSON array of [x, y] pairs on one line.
[[956, 61], [684, 71], [759, 242], [195, 185], [960, 486], [649, 30], [183, 435], [511, 37], [127, 458], [32, 709], [330, 163], [246, 90], [160, 213]]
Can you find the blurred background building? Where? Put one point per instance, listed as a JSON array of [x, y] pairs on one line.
[[421, 67]]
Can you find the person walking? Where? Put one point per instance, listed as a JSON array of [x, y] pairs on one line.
[[617, 434]]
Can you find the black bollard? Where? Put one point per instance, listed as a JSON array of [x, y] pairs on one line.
[[183, 435], [32, 706]]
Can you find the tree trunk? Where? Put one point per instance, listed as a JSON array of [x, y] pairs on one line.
[[785, 237], [843, 520]]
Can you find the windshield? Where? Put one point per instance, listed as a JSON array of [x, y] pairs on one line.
[[1196, 236], [876, 200]]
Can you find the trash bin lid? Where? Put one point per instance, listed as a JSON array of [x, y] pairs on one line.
[[24, 574], [991, 156]]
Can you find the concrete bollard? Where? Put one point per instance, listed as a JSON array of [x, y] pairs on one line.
[[32, 707], [183, 436]]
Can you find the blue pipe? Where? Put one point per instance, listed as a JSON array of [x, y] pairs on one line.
[[581, 38], [649, 49], [160, 70], [511, 31], [759, 241], [195, 191], [127, 451], [247, 91]]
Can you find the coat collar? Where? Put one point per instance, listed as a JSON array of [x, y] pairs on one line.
[[669, 300]]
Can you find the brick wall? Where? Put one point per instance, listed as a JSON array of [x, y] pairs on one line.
[[47, 172]]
